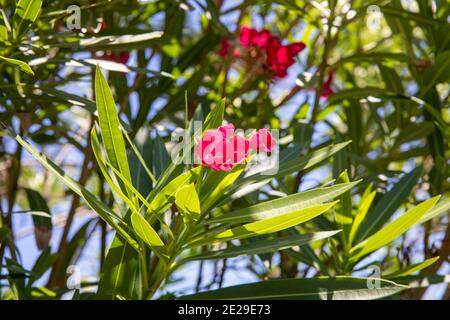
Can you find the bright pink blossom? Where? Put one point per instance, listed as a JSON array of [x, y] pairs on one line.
[[222, 148], [262, 140], [247, 36]]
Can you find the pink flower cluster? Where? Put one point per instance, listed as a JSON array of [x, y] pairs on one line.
[[278, 57], [221, 149]]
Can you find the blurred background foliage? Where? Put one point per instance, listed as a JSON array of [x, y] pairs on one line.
[[390, 67]]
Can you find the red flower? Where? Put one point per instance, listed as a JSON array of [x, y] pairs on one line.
[[221, 149], [296, 47], [224, 47], [278, 57], [247, 36], [262, 140], [326, 88]]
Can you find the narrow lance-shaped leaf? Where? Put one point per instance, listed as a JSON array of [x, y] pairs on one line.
[[166, 196], [145, 231], [215, 117], [411, 269], [160, 157], [388, 204], [145, 203], [285, 168], [274, 224], [283, 205], [119, 268], [216, 184], [125, 41], [264, 246], [322, 288], [188, 202], [393, 230], [101, 162], [5, 27], [102, 210], [42, 225], [441, 207], [361, 213], [25, 14], [18, 64], [439, 72], [110, 128], [344, 216]]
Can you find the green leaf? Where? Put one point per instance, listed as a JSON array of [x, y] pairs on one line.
[[277, 223], [118, 271], [25, 14], [160, 157], [121, 42], [257, 175], [5, 27], [411, 269], [140, 160], [264, 246], [215, 117], [322, 288], [359, 93], [391, 79], [442, 207], [414, 131], [16, 278], [42, 224], [110, 129], [420, 19], [273, 208], [393, 230], [102, 210], [135, 193], [388, 204], [102, 164], [423, 280], [19, 64], [42, 264], [216, 185], [343, 213], [145, 231], [76, 245], [188, 202], [374, 56], [163, 199], [439, 72], [361, 214], [37, 203]]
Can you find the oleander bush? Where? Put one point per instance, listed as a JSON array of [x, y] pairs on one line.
[[218, 149]]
